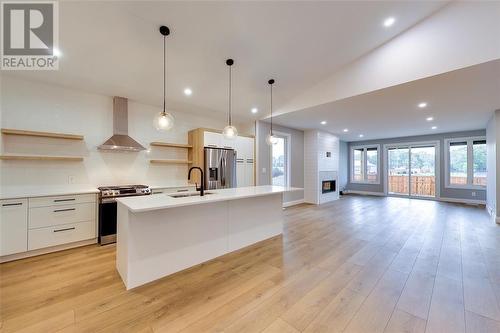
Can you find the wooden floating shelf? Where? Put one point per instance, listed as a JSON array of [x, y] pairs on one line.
[[8, 131], [40, 158], [173, 145], [170, 161]]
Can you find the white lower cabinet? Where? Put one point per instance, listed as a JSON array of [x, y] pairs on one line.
[[60, 234], [13, 226], [61, 220], [34, 223], [55, 215]]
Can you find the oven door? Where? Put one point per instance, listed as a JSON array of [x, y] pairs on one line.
[[107, 221]]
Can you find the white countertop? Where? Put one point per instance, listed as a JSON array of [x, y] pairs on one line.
[[16, 192], [163, 201]]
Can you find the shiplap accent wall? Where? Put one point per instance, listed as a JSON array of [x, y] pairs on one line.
[[316, 145]]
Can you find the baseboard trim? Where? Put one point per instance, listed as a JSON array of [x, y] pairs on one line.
[[46, 250], [378, 194], [293, 203], [464, 201]]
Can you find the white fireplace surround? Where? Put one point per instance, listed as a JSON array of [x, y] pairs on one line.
[[330, 196], [321, 162]]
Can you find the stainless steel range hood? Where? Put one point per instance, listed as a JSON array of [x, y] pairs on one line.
[[120, 141]]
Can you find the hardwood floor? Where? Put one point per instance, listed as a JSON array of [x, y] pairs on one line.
[[360, 264]]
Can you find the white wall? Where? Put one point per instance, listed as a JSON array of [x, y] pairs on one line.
[[43, 107], [296, 158]]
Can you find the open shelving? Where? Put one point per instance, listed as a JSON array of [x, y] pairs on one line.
[[171, 145], [8, 131], [41, 158], [170, 161]]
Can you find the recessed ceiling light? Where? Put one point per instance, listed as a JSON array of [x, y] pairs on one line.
[[346, 130], [429, 118], [255, 110], [434, 127], [188, 92], [422, 105], [389, 21], [323, 122], [361, 135], [56, 52]]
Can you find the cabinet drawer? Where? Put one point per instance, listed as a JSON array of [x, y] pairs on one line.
[[13, 226], [62, 200], [61, 234], [61, 214]]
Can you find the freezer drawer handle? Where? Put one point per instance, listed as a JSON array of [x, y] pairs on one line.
[[62, 200], [12, 204], [64, 210], [65, 229]]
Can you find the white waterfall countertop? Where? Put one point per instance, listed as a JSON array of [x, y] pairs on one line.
[[163, 201]]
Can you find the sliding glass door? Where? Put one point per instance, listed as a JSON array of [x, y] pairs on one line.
[[411, 170], [398, 171]]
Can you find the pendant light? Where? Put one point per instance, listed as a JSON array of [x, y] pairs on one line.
[[230, 132], [271, 139], [164, 120]]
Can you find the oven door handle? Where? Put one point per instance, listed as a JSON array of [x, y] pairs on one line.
[[108, 200]]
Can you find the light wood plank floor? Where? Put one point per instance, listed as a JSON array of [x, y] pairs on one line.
[[360, 264]]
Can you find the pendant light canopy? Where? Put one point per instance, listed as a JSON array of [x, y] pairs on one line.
[[271, 139], [164, 120], [230, 132]]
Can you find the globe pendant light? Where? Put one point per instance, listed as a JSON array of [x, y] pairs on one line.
[[230, 132], [164, 120], [271, 139]]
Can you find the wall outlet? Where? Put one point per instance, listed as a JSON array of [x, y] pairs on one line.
[[473, 194], [71, 179]]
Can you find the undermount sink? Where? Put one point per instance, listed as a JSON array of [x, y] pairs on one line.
[[185, 195]]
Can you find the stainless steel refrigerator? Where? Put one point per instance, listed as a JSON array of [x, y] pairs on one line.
[[220, 168]]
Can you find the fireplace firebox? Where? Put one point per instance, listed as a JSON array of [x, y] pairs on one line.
[[328, 186]]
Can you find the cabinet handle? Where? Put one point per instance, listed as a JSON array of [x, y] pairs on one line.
[[185, 190], [249, 160], [64, 210], [62, 200], [65, 229], [228, 147], [215, 146], [240, 160], [12, 204]]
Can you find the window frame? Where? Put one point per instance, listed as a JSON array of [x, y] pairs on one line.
[[470, 163], [288, 151], [364, 163]]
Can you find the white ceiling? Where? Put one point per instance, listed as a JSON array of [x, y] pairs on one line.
[[114, 48], [459, 100]]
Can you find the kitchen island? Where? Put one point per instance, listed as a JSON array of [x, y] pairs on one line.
[[161, 234]]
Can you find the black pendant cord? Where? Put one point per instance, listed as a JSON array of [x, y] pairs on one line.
[[164, 73], [230, 97], [271, 109], [271, 82]]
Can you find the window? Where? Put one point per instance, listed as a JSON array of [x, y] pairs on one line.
[[365, 161], [279, 160], [466, 163]]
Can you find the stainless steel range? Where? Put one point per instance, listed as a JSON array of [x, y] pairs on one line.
[[107, 208]]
